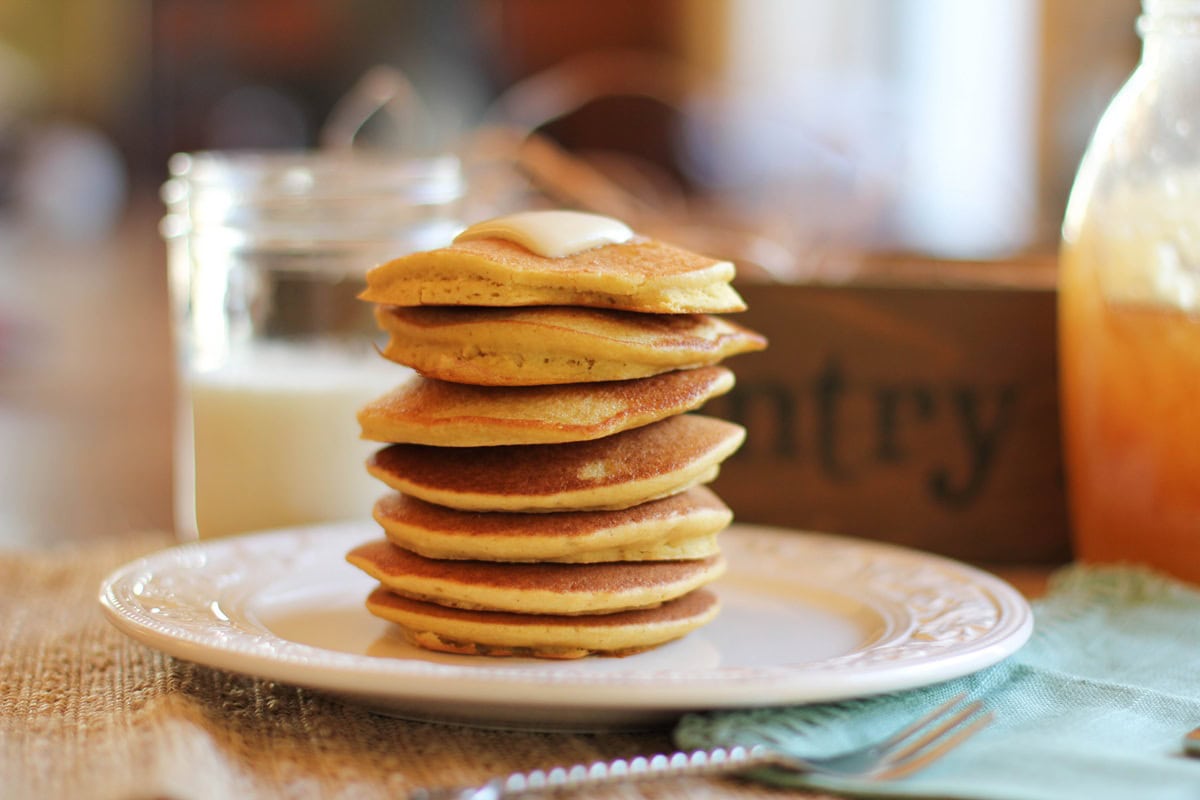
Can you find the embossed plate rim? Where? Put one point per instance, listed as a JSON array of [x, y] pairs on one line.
[[945, 619]]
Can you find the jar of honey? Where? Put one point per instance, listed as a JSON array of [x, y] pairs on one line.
[[1129, 312]]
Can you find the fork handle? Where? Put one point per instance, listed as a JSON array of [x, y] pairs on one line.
[[718, 761]]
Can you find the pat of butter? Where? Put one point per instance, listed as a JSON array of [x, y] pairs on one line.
[[552, 234]]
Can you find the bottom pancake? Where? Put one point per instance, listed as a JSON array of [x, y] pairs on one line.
[[496, 633]]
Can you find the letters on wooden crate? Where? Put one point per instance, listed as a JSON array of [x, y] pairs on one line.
[[920, 414]]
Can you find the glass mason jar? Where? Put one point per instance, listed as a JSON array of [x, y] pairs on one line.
[[1129, 311], [266, 255]]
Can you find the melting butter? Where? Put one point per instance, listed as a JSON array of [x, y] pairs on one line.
[[552, 234]]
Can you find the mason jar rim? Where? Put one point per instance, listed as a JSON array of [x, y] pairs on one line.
[[266, 173]]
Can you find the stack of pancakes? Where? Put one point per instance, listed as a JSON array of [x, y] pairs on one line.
[[548, 483]]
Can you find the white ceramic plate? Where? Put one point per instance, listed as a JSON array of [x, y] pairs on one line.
[[806, 618]]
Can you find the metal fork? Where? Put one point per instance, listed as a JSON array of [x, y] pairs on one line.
[[915, 746]]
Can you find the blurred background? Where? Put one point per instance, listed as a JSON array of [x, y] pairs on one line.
[[873, 121], [801, 137]]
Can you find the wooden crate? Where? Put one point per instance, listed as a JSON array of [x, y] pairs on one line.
[[917, 411]]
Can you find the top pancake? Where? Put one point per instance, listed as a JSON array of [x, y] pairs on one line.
[[639, 275]]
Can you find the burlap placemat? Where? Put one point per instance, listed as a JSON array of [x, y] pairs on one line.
[[85, 712]]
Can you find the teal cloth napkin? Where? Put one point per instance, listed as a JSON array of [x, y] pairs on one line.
[[1095, 706]]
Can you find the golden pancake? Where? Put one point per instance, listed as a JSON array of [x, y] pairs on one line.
[[639, 275], [533, 588], [684, 525], [500, 633], [553, 345], [618, 471], [426, 411]]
